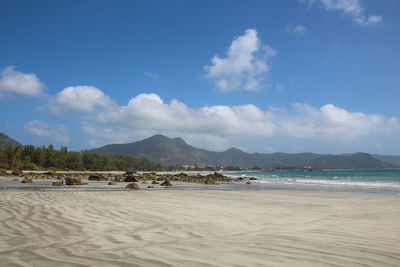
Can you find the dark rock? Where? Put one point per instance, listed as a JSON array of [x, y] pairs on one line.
[[130, 179], [209, 181], [144, 182], [16, 172], [3, 173], [252, 179], [150, 186], [26, 181], [111, 183], [132, 186], [119, 179], [130, 172], [72, 181], [248, 183], [166, 183], [155, 182], [57, 183], [95, 177]]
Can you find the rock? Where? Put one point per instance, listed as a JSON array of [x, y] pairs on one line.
[[166, 183], [144, 182], [39, 189], [3, 173], [26, 181], [209, 181], [72, 181], [155, 182], [248, 183], [130, 172], [252, 179], [238, 179], [218, 175], [112, 183], [119, 179], [132, 186], [150, 186], [130, 179], [16, 172], [95, 177], [57, 183]]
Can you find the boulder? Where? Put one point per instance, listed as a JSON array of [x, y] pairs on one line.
[[132, 186], [57, 183], [154, 182], [209, 181], [150, 186], [144, 182], [252, 179], [248, 183], [130, 179], [119, 179], [3, 173], [112, 183], [72, 181], [26, 181], [166, 183], [16, 172]]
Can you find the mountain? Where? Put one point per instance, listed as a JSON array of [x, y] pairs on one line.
[[389, 159], [5, 141], [160, 148]]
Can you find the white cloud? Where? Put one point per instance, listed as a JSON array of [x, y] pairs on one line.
[[15, 82], [150, 74], [79, 98], [57, 134], [148, 114], [245, 65], [353, 8], [298, 30]]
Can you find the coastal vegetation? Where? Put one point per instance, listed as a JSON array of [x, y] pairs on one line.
[[29, 157]]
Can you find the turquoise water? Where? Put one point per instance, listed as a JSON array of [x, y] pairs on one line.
[[371, 180]]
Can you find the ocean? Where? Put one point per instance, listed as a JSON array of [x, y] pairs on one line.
[[373, 181]]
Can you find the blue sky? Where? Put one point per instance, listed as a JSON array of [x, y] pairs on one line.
[[266, 76]]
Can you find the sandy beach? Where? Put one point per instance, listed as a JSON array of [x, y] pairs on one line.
[[198, 228]]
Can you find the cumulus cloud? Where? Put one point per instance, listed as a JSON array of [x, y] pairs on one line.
[[148, 114], [298, 30], [13, 82], [245, 65], [57, 134], [353, 8], [79, 98]]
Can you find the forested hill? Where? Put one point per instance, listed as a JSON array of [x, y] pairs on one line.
[[5, 141], [159, 148]]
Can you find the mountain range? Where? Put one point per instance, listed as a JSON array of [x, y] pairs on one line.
[[160, 148]]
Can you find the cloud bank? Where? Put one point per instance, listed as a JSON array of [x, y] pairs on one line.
[[13, 82], [353, 8], [148, 114], [245, 65]]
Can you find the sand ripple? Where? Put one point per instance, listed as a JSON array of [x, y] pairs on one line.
[[198, 228]]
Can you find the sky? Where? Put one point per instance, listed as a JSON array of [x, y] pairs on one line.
[[295, 76]]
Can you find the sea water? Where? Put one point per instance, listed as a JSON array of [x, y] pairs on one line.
[[386, 181]]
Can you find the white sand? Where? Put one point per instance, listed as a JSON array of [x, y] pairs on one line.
[[198, 228]]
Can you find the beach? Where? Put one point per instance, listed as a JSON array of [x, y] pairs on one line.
[[198, 227]]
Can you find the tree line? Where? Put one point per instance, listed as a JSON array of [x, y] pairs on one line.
[[29, 157]]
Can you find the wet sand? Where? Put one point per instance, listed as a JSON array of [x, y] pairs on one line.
[[198, 228]]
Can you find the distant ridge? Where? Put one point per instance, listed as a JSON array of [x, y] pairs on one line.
[[6, 141], [160, 148]]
